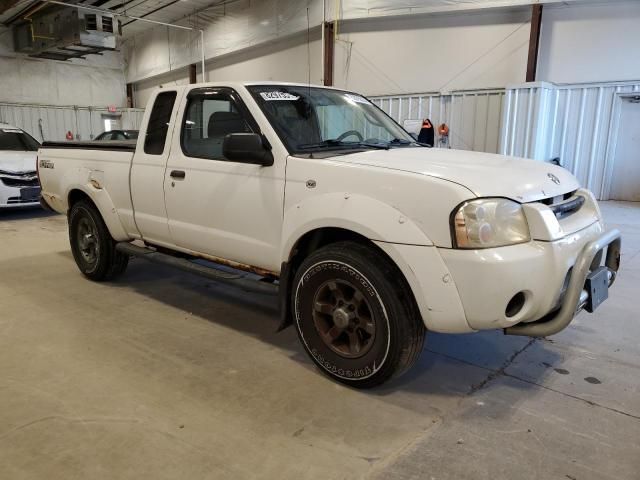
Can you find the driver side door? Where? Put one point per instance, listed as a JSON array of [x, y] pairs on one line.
[[231, 210]]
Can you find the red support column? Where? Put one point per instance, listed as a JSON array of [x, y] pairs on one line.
[[329, 43], [534, 42]]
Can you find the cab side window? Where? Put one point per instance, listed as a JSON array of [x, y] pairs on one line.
[[208, 119], [158, 125]]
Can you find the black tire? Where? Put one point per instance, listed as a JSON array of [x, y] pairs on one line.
[[92, 246], [384, 332]]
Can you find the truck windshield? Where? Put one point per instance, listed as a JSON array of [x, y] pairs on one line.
[[309, 119], [16, 140]]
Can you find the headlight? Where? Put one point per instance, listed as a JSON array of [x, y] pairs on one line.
[[489, 222]]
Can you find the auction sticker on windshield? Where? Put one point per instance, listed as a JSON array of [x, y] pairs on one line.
[[270, 96], [356, 98]]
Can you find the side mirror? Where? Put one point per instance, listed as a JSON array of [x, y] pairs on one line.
[[246, 147]]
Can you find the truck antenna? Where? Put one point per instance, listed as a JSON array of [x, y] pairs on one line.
[[308, 52]]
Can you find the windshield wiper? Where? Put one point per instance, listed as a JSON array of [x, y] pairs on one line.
[[399, 141], [324, 143], [333, 143]]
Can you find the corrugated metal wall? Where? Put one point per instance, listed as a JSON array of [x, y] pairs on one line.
[[84, 122], [474, 116], [576, 123]]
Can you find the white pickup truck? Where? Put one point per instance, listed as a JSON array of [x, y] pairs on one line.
[[370, 238]]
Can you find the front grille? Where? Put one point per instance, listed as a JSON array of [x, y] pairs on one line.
[[19, 182], [571, 206], [558, 198], [18, 200], [564, 205]]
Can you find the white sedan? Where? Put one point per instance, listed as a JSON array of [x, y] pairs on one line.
[[19, 186]]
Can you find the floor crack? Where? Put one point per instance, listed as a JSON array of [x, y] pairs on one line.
[[575, 397], [501, 371]]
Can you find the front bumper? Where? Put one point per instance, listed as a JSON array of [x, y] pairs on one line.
[[576, 296], [546, 275], [12, 197], [12, 206], [522, 288]]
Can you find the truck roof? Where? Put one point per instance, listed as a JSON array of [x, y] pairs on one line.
[[290, 84], [236, 84]]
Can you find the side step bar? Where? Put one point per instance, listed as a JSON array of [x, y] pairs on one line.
[[240, 279]]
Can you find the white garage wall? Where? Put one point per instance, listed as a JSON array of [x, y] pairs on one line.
[[379, 8], [291, 59], [230, 27], [286, 59], [391, 55], [433, 53], [142, 90], [390, 48], [149, 54], [235, 25], [49, 82], [98, 80], [375, 56], [590, 43]]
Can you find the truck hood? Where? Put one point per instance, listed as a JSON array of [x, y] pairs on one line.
[[18, 162], [484, 174]]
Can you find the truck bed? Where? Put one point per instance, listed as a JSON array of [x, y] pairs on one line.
[[91, 167]]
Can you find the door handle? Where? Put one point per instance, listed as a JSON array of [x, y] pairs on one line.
[[178, 174]]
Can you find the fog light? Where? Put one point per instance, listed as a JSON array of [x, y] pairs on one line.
[[515, 305]]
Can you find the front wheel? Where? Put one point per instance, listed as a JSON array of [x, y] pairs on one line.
[[355, 315], [91, 244]]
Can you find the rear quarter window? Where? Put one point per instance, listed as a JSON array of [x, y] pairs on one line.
[[158, 126]]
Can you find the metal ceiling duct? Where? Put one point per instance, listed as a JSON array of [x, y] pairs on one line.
[[63, 34]]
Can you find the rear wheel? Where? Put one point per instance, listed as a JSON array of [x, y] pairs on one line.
[[355, 315], [91, 244]]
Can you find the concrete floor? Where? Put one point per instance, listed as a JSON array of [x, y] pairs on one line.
[[165, 375]]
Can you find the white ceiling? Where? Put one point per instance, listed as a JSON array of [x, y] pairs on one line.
[[170, 11], [159, 10]]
